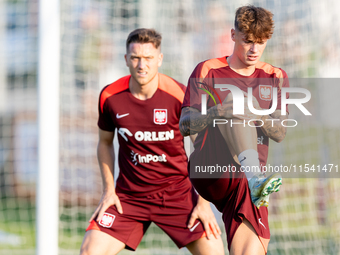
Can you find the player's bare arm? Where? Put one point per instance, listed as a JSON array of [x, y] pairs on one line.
[[272, 127], [105, 154], [192, 121], [272, 123]]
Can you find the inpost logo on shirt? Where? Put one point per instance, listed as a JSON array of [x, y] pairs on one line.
[[137, 158]]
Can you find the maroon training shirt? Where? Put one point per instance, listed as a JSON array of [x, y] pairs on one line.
[[151, 148], [217, 71]]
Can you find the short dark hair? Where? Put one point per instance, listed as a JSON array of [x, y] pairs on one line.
[[144, 35], [255, 22]]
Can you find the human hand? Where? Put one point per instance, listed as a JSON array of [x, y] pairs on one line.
[[107, 199], [203, 212]]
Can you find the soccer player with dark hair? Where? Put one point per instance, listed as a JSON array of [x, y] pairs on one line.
[[153, 183], [241, 196]]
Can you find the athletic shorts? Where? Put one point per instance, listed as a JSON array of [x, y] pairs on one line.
[[169, 209], [233, 200], [228, 191]]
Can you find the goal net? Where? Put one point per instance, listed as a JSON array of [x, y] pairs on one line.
[[304, 216]]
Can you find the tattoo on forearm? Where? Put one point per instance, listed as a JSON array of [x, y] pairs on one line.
[[184, 124], [193, 121], [274, 129]]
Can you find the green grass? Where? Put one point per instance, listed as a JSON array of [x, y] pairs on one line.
[[17, 216], [297, 244]]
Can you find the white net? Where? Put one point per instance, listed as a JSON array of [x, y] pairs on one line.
[[18, 125], [304, 215]]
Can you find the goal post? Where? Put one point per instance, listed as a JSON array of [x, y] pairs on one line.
[[48, 126]]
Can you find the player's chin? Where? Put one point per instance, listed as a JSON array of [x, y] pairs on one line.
[[142, 81], [251, 62]]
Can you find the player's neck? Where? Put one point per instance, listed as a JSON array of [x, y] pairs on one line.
[[239, 67], [145, 91]]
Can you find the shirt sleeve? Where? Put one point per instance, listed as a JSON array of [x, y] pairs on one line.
[[105, 121]]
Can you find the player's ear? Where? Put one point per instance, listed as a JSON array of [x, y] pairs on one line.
[[160, 59], [125, 56], [233, 34]]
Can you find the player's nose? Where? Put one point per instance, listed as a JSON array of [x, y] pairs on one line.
[[141, 63], [254, 47]]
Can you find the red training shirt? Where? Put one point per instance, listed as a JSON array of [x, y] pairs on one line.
[[151, 149]]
